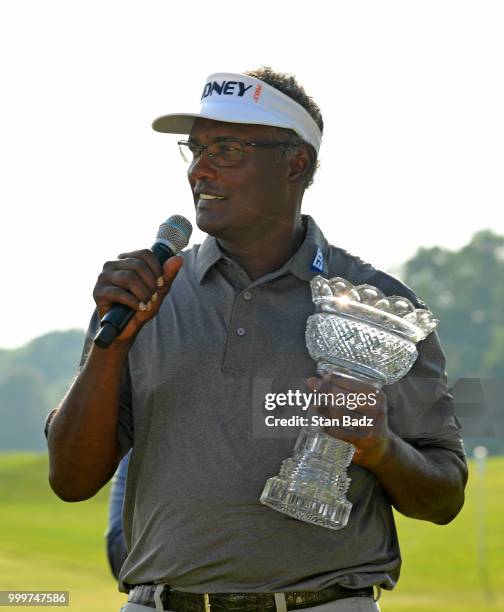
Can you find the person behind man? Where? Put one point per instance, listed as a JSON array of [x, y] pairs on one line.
[[116, 545], [183, 385]]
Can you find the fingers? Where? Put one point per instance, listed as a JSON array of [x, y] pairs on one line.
[[105, 296], [124, 287], [358, 394], [144, 263], [343, 382], [137, 280], [351, 411]]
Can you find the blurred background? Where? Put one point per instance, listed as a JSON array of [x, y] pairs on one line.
[[410, 180]]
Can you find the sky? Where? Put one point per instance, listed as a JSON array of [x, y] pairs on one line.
[[411, 94]]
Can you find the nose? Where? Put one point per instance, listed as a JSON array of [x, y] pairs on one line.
[[201, 168]]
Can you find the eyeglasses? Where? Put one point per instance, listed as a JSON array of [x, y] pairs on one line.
[[225, 153]]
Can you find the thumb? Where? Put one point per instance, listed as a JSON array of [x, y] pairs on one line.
[[171, 268]]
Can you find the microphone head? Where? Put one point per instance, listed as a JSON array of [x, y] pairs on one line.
[[175, 233]]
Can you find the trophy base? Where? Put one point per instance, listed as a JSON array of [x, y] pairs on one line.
[[279, 495]]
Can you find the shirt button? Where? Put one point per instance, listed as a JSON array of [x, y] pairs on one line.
[[240, 331], [247, 296]]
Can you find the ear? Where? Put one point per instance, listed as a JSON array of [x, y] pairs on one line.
[[301, 162]]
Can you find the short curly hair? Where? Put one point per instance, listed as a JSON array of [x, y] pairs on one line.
[[287, 84]]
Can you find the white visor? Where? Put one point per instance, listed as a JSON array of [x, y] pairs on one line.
[[238, 98]]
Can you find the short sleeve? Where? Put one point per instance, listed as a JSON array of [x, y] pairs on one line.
[[125, 426], [421, 407]]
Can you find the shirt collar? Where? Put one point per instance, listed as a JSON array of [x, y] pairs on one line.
[[308, 261], [311, 257], [208, 255]]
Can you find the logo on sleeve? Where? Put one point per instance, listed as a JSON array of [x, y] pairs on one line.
[[225, 88], [318, 261]]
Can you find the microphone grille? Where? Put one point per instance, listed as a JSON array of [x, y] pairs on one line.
[[175, 231]]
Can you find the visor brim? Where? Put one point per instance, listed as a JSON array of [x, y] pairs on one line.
[[181, 123]]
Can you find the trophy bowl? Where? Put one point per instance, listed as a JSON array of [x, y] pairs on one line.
[[370, 352]]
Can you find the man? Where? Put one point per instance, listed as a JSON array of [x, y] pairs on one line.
[[182, 385]]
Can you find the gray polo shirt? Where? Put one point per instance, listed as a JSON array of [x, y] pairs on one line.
[[192, 407]]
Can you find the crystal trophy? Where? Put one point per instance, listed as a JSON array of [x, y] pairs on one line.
[[359, 333]]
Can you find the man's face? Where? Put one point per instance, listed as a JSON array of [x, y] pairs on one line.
[[254, 192]]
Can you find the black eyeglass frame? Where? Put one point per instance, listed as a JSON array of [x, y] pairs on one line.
[[201, 148]]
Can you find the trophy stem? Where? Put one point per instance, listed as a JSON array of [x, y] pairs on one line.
[[312, 484]]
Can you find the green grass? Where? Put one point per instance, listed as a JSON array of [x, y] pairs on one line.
[[48, 544], [441, 569]]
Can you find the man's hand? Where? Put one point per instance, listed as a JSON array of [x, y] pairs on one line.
[[82, 438], [137, 280], [426, 484], [372, 437]]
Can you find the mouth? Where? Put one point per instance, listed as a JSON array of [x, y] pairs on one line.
[[209, 196], [207, 200]]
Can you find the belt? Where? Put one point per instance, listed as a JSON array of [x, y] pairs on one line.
[[179, 601]]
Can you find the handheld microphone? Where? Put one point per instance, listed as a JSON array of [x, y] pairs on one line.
[[173, 236]]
